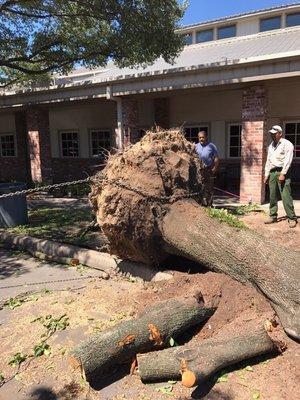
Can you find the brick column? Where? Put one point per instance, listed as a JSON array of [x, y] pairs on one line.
[[162, 112], [22, 148], [39, 144], [254, 138], [130, 121]]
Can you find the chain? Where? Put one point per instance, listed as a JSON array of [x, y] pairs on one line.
[[43, 188], [47, 282], [162, 199]]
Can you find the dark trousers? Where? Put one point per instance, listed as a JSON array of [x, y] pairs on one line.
[[284, 189]]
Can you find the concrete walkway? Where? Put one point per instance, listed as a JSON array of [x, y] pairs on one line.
[[20, 273]]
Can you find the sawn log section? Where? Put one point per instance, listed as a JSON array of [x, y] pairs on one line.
[[152, 330], [194, 364]]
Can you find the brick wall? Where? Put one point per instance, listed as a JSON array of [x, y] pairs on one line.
[[254, 144], [130, 121], [39, 144], [68, 169]]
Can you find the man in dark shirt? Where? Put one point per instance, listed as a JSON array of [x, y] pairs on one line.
[[208, 154]]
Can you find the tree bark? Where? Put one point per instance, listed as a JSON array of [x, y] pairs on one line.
[[142, 202], [152, 330], [241, 253], [193, 365]]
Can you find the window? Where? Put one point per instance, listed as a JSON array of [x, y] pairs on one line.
[[293, 19], [226, 32], [205, 36], [268, 24], [7, 145], [100, 142], [292, 133], [191, 132], [188, 39], [234, 140], [69, 144]]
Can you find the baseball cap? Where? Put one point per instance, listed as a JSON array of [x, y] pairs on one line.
[[275, 129]]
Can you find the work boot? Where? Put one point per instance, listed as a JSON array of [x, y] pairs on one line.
[[292, 223], [271, 220]]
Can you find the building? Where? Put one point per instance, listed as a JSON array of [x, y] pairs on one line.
[[235, 78]]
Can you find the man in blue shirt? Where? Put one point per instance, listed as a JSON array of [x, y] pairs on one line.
[[208, 154]]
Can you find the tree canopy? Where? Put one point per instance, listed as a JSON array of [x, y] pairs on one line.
[[39, 37]]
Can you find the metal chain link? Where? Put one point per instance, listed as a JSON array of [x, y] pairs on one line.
[[43, 188], [162, 199]]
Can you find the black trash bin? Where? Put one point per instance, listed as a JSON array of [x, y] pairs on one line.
[[13, 210]]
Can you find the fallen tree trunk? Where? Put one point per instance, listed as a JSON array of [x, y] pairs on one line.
[[152, 330], [143, 202], [193, 365], [241, 253]]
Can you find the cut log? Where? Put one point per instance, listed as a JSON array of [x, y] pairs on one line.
[[152, 330], [193, 365], [143, 202]]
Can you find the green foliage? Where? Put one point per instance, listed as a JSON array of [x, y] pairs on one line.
[[17, 359], [223, 378], [249, 368], [38, 37], [167, 390], [256, 395], [13, 302], [1, 377], [42, 348], [52, 223], [224, 215], [246, 209], [53, 324]]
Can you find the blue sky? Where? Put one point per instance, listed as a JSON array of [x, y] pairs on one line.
[[203, 10]]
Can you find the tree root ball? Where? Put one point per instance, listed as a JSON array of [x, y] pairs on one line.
[[130, 196]]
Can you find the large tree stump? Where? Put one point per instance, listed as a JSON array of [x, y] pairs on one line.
[[153, 330], [193, 365], [144, 204]]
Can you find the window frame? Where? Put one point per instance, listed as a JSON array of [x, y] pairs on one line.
[[224, 27], [13, 134], [198, 126], [91, 130], [284, 130], [205, 30], [229, 124], [270, 18], [60, 142], [286, 19], [185, 35]]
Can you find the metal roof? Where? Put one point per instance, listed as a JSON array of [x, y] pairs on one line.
[[234, 16], [272, 44]]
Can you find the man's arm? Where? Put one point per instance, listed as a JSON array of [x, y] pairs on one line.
[[216, 164], [267, 167], [289, 153]]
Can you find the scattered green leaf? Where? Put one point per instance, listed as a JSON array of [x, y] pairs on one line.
[[224, 215], [249, 368], [17, 359], [256, 395], [223, 378], [42, 348], [1, 377], [13, 302], [167, 390]]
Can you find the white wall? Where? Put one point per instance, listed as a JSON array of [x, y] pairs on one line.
[[81, 118], [247, 27]]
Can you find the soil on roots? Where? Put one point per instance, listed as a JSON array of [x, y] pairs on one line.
[[130, 194]]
